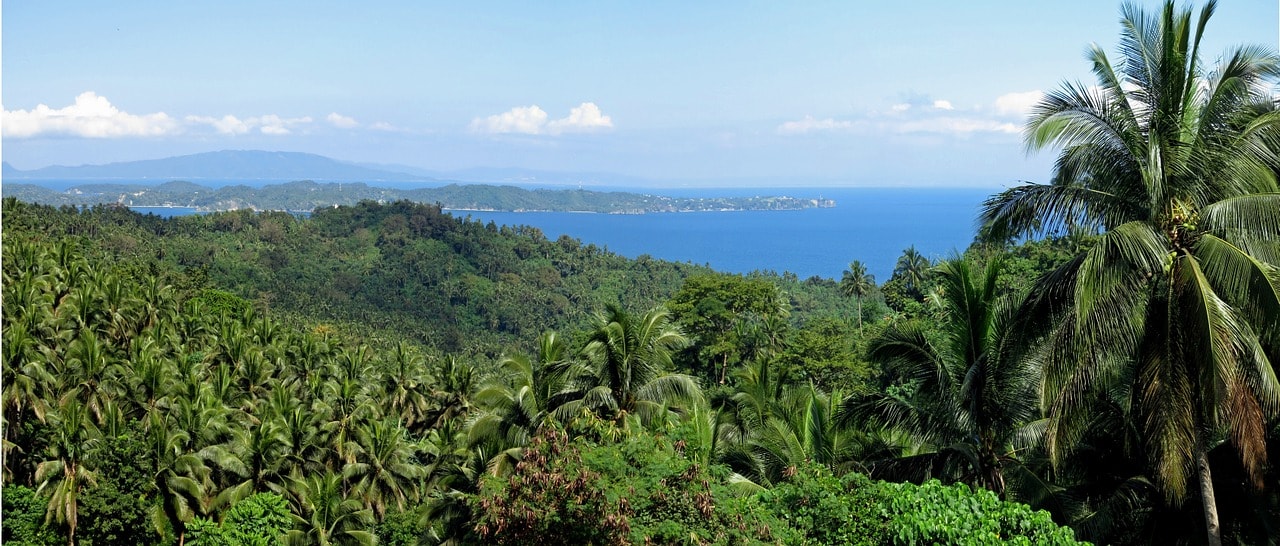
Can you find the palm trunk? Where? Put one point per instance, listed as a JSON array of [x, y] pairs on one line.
[[1212, 529], [859, 316]]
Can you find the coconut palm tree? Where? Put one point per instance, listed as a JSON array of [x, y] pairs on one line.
[[67, 471], [856, 283], [912, 267], [518, 402], [385, 472], [1174, 163], [325, 515], [629, 357], [965, 396]]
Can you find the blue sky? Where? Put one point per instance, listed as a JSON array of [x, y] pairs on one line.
[[842, 93]]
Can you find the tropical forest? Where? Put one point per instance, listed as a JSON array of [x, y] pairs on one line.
[[1098, 366]]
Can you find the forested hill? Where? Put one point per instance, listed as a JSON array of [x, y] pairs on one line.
[[308, 195], [407, 269]]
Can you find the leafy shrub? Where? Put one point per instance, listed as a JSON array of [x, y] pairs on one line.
[[853, 509], [23, 521], [259, 520]]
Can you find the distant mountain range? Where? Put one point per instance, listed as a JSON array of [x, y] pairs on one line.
[[245, 165], [241, 166]]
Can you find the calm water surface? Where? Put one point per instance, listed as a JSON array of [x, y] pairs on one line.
[[872, 225]]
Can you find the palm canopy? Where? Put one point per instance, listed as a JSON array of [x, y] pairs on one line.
[[1174, 163], [967, 397], [630, 359], [857, 283]]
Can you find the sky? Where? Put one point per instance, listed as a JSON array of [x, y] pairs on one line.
[[841, 93]]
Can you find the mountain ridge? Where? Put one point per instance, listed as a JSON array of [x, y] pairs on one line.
[[220, 165]]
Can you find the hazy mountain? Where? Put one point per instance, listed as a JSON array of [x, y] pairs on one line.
[[223, 165]]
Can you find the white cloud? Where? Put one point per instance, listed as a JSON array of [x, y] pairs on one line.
[[340, 121], [269, 124], [384, 126], [521, 119], [532, 120], [1017, 104], [91, 116], [808, 124], [275, 125], [227, 125], [943, 105], [900, 107], [586, 117]]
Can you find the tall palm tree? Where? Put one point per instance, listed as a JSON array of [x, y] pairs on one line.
[[67, 470], [912, 267], [856, 283], [630, 356], [1174, 163], [966, 396]]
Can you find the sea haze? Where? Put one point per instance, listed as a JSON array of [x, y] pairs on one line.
[[873, 225]]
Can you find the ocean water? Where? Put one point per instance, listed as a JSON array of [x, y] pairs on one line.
[[873, 225]]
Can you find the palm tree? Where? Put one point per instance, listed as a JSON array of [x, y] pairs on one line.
[[518, 403], [630, 357], [856, 283], [66, 472], [325, 515], [912, 268], [385, 472], [1174, 164], [966, 396]]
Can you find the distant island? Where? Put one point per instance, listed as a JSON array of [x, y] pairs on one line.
[[305, 196], [195, 181]]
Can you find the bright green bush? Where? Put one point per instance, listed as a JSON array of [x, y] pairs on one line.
[[854, 510], [23, 521], [259, 520]]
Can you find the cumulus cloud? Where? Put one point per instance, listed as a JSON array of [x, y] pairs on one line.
[[269, 124], [532, 120], [943, 105], [340, 121], [1017, 104], [808, 125], [528, 120], [227, 125], [585, 117], [90, 116]]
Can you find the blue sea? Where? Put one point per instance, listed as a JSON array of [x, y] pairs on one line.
[[873, 225]]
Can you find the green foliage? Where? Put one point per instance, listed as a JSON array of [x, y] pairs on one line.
[[23, 521], [827, 510], [822, 352], [933, 513], [854, 510], [708, 307], [219, 302], [641, 489], [402, 529], [117, 509], [259, 520]]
